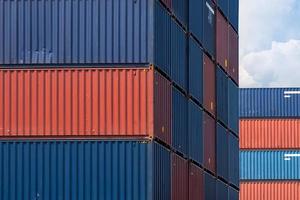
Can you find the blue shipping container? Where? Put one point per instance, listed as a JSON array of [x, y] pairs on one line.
[[222, 152], [210, 187], [180, 8], [179, 122], [233, 107], [195, 70], [222, 190], [269, 103], [234, 14], [196, 19], [209, 27], [224, 6], [222, 96], [233, 160], [233, 194], [84, 170], [270, 165], [195, 121]]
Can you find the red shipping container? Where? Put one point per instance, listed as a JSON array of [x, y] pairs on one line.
[[85, 102], [196, 182], [209, 85], [233, 54], [222, 41], [269, 134], [276, 190], [180, 178], [209, 131]]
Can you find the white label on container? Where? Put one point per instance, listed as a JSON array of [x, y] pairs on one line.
[[210, 8], [291, 92], [287, 96], [289, 156]]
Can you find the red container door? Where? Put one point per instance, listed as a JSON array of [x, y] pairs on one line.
[[180, 174], [233, 55], [209, 85], [222, 41], [196, 182], [209, 128]]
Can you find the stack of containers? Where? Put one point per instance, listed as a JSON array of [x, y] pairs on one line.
[[270, 143], [119, 99]]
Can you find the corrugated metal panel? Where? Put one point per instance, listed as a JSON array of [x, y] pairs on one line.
[[269, 133], [82, 170], [233, 54], [196, 182], [233, 173], [179, 122], [234, 13], [210, 187], [168, 3], [83, 102], [196, 19], [209, 134], [62, 31], [233, 107], [181, 11], [209, 85], [195, 70], [195, 120], [233, 194], [283, 190], [269, 165], [209, 27], [222, 190], [224, 6], [269, 103], [222, 96], [222, 41], [180, 178], [222, 152]]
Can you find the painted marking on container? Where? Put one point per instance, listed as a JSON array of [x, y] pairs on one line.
[[288, 156], [287, 96], [210, 8], [291, 92], [287, 159]]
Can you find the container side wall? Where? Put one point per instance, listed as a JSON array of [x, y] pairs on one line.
[[196, 19], [222, 96], [222, 152], [196, 182], [210, 187], [233, 55], [209, 27], [222, 41], [233, 103], [209, 85], [233, 160], [209, 132], [222, 190], [180, 11]]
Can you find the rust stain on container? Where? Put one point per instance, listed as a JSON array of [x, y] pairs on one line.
[[180, 178], [222, 41], [269, 133], [277, 190], [209, 85], [84, 102]]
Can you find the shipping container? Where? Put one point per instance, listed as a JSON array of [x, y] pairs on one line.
[[233, 194], [269, 134], [167, 3], [196, 19], [195, 131], [196, 182], [234, 14], [209, 85], [233, 166], [85, 32], [224, 7], [222, 152], [85, 102], [209, 27], [179, 122], [210, 187], [270, 165], [270, 190], [180, 178], [180, 9], [84, 170], [233, 57], [222, 191], [195, 71], [209, 135], [222, 96], [269, 103], [222, 43], [233, 107]]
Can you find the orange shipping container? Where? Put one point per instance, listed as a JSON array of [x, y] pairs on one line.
[[85, 102], [286, 190], [269, 133]]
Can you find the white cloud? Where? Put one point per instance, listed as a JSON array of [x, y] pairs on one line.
[[276, 67]]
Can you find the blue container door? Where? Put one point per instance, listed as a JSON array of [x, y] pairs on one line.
[[222, 96], [210, 187], [180, 8], [233, 160], [196, 19], [222, 152], [222, 190], [234, 14], [224, 6], [209, 27], [233, 107]]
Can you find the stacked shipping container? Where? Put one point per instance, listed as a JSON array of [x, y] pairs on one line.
[[269, 142], [119, 99]]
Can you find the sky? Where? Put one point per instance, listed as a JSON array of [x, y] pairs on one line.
[[269, 32]]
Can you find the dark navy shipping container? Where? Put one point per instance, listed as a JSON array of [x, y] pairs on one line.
[[196, 19], [233, 153], [233, 194], [195, 120], [234, 14], [209, 27], [222, 96], [222, 190], [270, 165], [195, 70], [210, 187], [269, 103], [180, 9], [222, 152], [84, 170], [224, 6], [179, 122], [233, 106]]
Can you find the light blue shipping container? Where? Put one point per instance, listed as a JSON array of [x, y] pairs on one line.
[[270, 165], [269, 103]]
